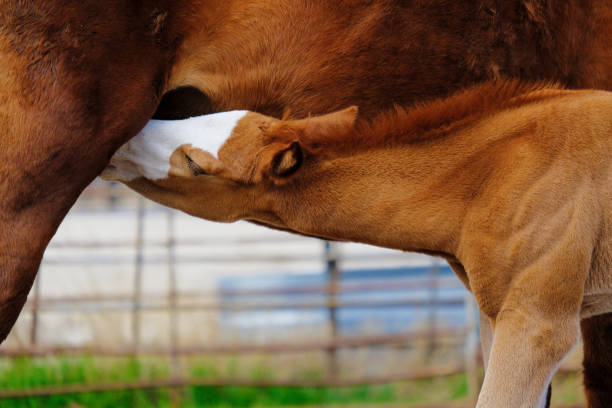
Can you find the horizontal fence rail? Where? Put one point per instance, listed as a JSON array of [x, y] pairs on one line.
[[198, 259], [323, 289], [194, 306], [229, 382], [340, 343]]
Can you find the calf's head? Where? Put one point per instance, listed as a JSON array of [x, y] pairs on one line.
[[225, 166]]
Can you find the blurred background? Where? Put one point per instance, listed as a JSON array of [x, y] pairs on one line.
[[136, 305]]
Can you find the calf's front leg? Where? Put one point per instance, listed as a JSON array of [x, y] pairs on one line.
[[535, 317], [486, 342], [525, 353]]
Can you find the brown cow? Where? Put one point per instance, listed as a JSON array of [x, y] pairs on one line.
[[510, 181], [80, 77]]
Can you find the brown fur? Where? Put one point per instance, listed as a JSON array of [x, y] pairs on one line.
[[79, 78], [598, 361], [404, 53], [436, 118], [517, 194]]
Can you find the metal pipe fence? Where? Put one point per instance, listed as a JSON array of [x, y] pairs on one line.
[[331, 296], [230, 382], [323, 345]]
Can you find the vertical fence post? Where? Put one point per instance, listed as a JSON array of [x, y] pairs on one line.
[[471, 347], [138, 265], [175, 393], [432, 285], [111, 189], [333, 280], [35, 304]]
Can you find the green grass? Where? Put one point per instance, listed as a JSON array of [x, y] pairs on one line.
[[23, 373]]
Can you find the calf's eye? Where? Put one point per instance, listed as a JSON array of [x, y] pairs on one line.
[[195, 169]]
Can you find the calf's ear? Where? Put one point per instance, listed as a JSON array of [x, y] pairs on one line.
[[287, 160], [279, 161], [331, 125]]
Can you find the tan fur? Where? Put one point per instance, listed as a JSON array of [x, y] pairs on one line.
[[517, 195]]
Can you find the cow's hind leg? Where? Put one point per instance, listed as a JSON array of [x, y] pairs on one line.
[[597, 338], [78, 79], [21, 248]]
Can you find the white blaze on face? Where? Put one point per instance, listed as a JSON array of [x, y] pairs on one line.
[[148, 153]]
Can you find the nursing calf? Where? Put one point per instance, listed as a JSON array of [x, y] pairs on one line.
[[511, 183]]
